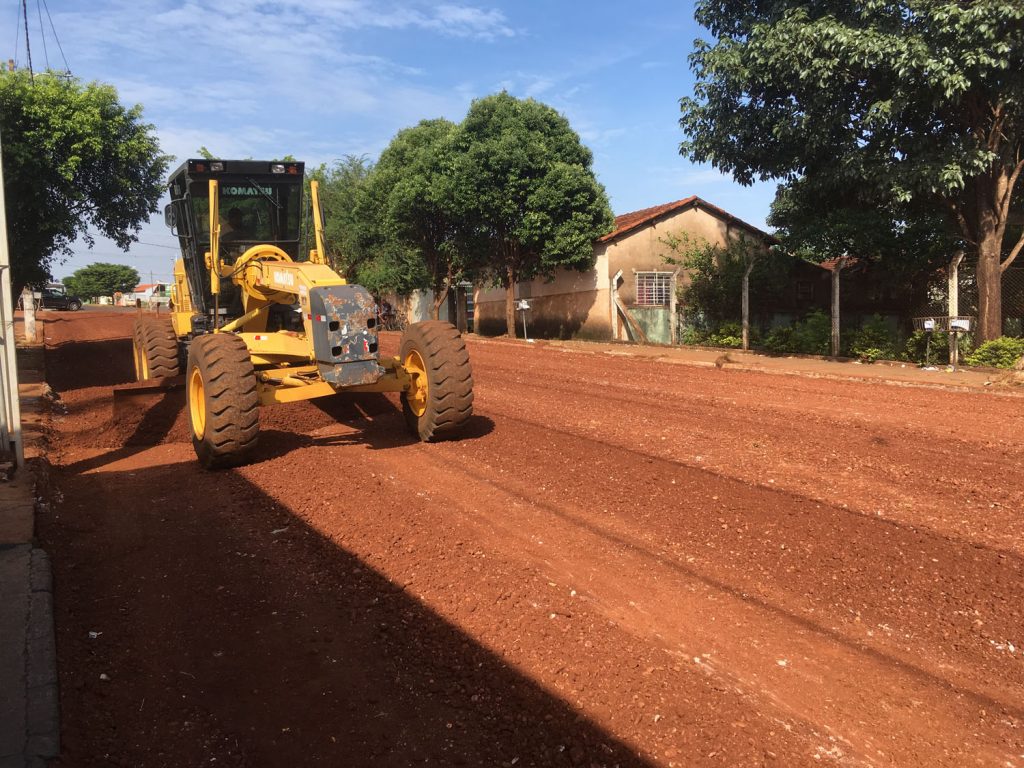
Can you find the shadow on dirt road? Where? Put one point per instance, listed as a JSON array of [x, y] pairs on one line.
[[229, 629]]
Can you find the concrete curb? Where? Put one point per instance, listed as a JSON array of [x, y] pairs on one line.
[[29, 692], [43, 694], [29, 706]]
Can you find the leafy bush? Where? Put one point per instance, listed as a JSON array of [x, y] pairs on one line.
[[720, 340], [728, 335], [813, 334], [779, 339], [873, 340], [810, 336], [1003, 352], [916, 348], [713, 290], [693, 336]]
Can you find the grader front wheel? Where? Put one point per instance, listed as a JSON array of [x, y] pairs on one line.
[[439, 400], [223, 406], [155, 349]]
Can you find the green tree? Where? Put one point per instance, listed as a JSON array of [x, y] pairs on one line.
[[407, 209], [101, 279], [523, 181], [916, 100], [342, 186], [393, 269], [906, 242], [713, 295], [75, 162]]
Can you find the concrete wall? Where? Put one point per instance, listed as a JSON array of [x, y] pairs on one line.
[[572, 305], [644, 251]]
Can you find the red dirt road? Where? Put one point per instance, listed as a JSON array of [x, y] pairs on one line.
[[624, 562]]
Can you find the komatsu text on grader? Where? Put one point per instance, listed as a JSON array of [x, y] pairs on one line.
[[251, 324]]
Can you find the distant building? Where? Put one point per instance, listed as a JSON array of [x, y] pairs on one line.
[[148, 293], [630, 289]]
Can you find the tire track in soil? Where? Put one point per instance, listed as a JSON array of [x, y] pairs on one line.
[[841, 689], [880, 465]]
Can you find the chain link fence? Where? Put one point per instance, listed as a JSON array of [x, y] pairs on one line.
[[937, 300], [876, 312]]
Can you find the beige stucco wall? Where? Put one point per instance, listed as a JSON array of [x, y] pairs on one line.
[[644, 251], [577, 304], [572, 305]]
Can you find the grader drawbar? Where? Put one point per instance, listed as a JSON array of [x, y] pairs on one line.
[[251, 324]]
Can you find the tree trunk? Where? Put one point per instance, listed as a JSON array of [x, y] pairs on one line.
[[439, 299], [990, 286], [510, 304]]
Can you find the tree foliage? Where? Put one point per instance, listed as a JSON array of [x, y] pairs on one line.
[[914, 102], [523, 186], [342, 186], [102, 279], [407, 203], [906, 244], [712, 297], [75, 162]]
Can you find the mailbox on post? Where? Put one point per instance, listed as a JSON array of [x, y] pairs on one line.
[[524, 306]]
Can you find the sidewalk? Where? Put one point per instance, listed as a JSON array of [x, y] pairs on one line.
[[29, 708], [905, 374]]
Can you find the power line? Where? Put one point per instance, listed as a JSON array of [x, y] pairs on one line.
[[17, 34], [28, 43], [56, 38], [107, 255], [42, 34]]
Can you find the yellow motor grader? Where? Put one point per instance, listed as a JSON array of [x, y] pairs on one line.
[[252, 323]]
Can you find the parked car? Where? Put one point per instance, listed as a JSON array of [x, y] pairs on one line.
[[48, 298]]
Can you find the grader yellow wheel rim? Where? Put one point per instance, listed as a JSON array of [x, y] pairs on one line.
[[197, 403], [420, 390]]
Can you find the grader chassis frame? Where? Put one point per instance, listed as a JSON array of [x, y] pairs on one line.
[[252, 325]]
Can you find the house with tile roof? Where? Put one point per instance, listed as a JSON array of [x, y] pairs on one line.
[[630, 291]]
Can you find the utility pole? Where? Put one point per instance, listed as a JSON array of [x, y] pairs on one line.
[[10, 408], [954, 306], [28, 42]]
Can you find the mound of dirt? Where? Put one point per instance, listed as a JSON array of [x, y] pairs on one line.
[[1015, 376]]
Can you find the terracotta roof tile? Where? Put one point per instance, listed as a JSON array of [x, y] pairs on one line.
[[830, 264], [629, 222]]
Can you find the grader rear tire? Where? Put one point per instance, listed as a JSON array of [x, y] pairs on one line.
[[440, 401], [155, 349], [223, 406]]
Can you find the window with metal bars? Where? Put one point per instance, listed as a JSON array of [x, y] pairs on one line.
[[653, 289]]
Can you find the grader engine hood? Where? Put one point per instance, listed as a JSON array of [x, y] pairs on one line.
[[344, 320]]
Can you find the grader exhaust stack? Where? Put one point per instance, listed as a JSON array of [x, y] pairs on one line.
[[252, 323]]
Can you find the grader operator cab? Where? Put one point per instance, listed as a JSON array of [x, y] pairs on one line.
[[253, 324]]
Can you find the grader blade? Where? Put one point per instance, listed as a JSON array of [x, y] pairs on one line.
[[140, 396]]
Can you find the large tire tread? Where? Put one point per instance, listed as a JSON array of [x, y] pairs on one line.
[[156, 339], [450, 380], [232, 401]]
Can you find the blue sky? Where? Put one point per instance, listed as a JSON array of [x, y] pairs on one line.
[[321, 79]]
